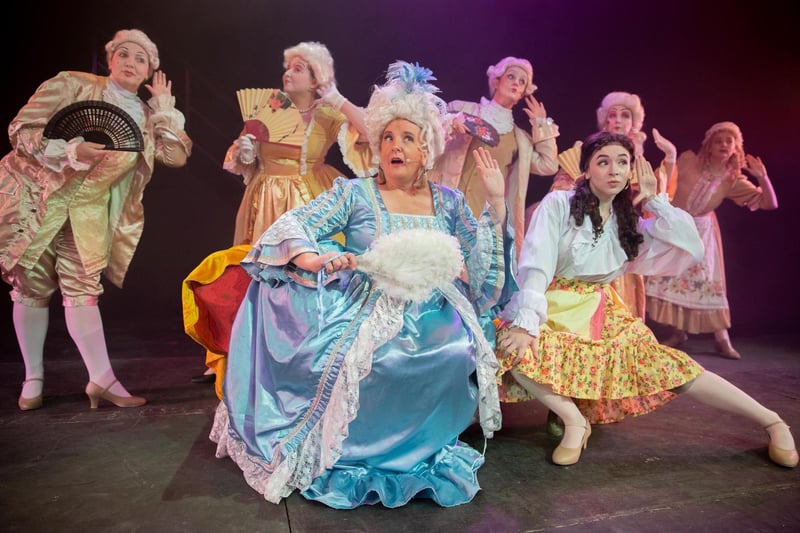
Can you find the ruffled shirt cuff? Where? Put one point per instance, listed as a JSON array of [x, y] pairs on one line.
[[527, 310], [166, 116], [60, 154]]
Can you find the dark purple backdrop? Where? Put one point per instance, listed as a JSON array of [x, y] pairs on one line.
[[692, 62]]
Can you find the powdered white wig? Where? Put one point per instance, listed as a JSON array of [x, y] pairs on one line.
[[626, 100], [138, 37], [318, 58], [409, 95], [494, 72]]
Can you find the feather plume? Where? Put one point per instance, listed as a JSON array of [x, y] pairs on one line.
[[410, 264], [413, 77]]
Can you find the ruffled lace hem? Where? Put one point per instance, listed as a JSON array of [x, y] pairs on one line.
[[449, 478], [314, 449]]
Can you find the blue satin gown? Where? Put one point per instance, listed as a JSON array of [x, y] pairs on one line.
[[350, 397]]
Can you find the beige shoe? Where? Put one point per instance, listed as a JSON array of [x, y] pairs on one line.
[[779, 456], [569, 456], [29, 404], [95, 392]]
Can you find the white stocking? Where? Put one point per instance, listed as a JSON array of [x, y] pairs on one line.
[[86, 329], [561, 405], [711, 389], [30, 325]]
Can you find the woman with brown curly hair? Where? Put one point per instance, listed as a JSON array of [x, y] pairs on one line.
[[571, 343]]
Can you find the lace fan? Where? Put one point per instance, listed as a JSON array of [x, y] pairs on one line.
[[96, 121], [271, 116]]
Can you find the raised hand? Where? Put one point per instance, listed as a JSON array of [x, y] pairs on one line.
[[755, 166], [670, 152], [160, 86], [330, 95], [648, 184], [492, 178], [535, 110]]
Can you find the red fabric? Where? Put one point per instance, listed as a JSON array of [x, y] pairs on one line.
[[217, 304]]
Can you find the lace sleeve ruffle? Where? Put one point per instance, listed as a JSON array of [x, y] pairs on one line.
[[60, 154]]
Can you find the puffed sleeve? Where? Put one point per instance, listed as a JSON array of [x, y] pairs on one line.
[[172, 145], [537, 263], [356, 155], [25, 130], [301, 229], [745, 193], [671, 241]]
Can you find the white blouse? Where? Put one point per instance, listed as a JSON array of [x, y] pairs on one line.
[[555, 246]]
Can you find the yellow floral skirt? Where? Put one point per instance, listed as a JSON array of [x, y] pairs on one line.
[[593, 350]]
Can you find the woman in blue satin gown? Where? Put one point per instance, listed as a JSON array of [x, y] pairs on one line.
[[346, 381]]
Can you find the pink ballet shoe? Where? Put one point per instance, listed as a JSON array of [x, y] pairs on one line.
[[29, 404], [95, 392], [779, 456], [726, 349]]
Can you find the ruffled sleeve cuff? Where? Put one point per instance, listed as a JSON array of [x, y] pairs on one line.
[[487, 261], [526, 310], [356, 155], [671, 241], [60, 154], [166, 115], [285, 239]]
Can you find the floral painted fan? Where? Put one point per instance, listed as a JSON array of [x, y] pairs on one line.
[[96, 121], [271, 116], [477, 127]]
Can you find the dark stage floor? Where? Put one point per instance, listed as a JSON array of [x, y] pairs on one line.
[[683, 468]]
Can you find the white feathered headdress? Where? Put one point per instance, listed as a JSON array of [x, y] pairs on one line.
[[408, 94]]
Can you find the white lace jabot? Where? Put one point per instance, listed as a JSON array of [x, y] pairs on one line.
[[498, 116], [115, 94]]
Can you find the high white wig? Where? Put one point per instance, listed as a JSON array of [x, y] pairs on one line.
[[408, 94]]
